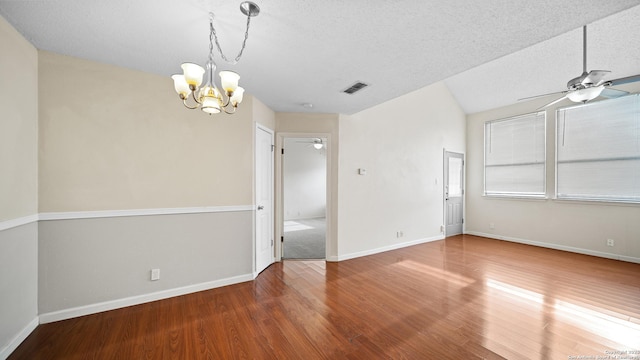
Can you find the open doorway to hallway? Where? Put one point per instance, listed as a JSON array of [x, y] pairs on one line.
[[304, 198]]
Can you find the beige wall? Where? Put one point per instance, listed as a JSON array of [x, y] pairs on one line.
[[18, 188], [18, 125], [113, 138], [568, 225], [400, 143], [262, 114]]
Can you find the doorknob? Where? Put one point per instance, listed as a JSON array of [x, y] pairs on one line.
[[260, 207]]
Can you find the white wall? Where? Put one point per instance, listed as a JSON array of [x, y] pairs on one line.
[[18, 188], [305, 179], [400, 143], [569, 225]]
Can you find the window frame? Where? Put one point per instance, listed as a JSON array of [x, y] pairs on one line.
[[516, 195], [586, 199]]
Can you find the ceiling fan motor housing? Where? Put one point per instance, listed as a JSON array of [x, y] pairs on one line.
[[576, 83]]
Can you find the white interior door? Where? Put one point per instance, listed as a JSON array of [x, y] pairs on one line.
[[264, 246], [453, 192]]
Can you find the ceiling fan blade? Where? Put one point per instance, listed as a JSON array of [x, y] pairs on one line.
[[625, 80], [595, 77], [538, 96], [613, 93], [552, 103]]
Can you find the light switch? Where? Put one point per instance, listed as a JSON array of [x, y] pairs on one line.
[[155, 274]]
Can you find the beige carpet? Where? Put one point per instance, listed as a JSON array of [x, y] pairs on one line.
[[305, 239]]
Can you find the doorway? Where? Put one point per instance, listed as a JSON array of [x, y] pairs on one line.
[[304, 192], [453, 193]]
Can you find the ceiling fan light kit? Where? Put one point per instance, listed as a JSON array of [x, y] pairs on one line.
[[586, 94], [589, 85], [208, 97]]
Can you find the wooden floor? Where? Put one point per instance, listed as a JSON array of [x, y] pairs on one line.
[[461, 298]]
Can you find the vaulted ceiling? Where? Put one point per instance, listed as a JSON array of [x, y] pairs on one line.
[[489, 52]]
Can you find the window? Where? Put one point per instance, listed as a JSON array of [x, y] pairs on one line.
[[598, 151], [514, 156]]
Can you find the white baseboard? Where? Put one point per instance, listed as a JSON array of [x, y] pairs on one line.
[[18, 339], [384, 248], [140, 299], [557, 247]]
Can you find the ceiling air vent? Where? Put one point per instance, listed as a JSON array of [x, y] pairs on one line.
[[355, 87]]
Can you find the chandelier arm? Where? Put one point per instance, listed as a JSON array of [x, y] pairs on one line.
[[224, 108], [193, 96], [184, 102], [227, 102]]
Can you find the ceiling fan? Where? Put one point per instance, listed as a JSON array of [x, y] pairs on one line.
[[589, 85], [317, 143]]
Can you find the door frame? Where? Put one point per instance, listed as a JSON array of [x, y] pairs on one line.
[[279, 197], [260, 127], [444, 189]]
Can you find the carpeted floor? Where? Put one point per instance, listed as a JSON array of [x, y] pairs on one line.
[[304, 239]]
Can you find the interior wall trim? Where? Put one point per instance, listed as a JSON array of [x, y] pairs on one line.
[[140, 299], [558, 247], [11, 223], [8, 224], [18, 339], [384, 248], [140, 212]]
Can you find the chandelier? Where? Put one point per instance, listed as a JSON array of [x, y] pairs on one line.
[[207, 97]]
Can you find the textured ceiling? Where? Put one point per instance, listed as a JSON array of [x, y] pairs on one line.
[[490, 52]]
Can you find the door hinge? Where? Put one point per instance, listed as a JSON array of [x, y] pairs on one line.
[[281, 238], [463, 221], [273, 147], [271, 242], [282, 151]]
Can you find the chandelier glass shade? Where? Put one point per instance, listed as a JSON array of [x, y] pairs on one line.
[[208, 97]]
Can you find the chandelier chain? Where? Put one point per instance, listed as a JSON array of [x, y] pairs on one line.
[[215, 38]]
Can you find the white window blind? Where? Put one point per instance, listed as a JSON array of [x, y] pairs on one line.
[[514, 156], [598, 151]]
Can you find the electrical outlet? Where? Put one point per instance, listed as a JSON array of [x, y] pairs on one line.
[[492, 226], [442, 228], [155, 274], [610, 242], [399, 234]]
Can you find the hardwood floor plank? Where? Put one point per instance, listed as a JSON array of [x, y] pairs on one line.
[[465, 297]]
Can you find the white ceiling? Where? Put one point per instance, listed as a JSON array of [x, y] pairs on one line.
[[489, 52]]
